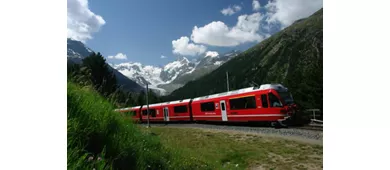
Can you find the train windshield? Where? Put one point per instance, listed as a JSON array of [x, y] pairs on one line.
[[287, 97]]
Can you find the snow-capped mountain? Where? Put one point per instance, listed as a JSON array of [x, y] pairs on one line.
[[142, 75], [203, 65], [155, 76], [213, 59], [162, 80], [76, 51], [176, 68], [174, 74]]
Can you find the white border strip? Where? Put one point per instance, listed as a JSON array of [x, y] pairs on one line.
[[179, 116]]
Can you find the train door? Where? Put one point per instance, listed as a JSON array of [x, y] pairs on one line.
[[223, 110], [166, 113]]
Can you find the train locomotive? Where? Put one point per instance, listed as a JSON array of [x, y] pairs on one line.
[[269, 103]]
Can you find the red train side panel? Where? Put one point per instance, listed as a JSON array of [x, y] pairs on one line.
[[249, 104], [155, 113], [269, 102], [177, 110]]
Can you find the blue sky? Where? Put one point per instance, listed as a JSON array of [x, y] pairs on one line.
[[145, 30]]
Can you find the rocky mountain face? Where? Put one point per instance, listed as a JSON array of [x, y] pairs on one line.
[[292, 57], [203, 66], [76, 51], [174, 74]]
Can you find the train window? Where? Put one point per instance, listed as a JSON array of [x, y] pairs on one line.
[[223, 106], [180, 109], [243, 103], [274, 101], [209, 106], [152, 112], [264, 101]]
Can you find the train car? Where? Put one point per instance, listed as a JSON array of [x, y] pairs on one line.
[[268, 103], [177, 110]]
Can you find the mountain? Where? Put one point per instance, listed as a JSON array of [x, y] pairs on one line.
[[76, 51], [142, 75], [203, 66], [175, 74], [175, 69], [292, 57]]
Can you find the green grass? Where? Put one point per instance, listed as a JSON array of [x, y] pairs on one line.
[[102, 139], [222, 150]]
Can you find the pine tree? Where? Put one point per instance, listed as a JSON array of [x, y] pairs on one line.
[[141, 98], [101, 77]]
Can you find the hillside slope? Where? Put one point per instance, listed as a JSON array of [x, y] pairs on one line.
[[292, 57], [95, 131]]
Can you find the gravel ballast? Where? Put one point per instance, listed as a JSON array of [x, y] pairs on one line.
[[303, 135]]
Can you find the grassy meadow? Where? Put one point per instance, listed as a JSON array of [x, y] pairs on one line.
[[102, 139]]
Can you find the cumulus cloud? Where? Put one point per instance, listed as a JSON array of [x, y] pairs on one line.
[[231, 10], [286, 12], [218, 33], [118, 56], [163, 56], [256, 5], [183, 47], [81, 21], [211, 54]]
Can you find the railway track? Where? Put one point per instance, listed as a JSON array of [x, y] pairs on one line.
[[304, 133], [314, 128]]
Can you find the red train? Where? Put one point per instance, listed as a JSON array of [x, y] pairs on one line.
[[271, 103]]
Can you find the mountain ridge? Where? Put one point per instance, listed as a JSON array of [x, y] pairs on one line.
[[292, 57]]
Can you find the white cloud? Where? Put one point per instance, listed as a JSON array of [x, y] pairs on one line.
[[227, 11], [211, 54], [118, 56], [218, 33], [163, 56], [81, 21], [249, 23], [231, 10], [256, 5], [237, 8], [286, 12], [183, 47]]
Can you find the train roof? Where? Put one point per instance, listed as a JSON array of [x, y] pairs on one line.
[[277, 87], [127, 108], [244, 90], [171, 102]]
